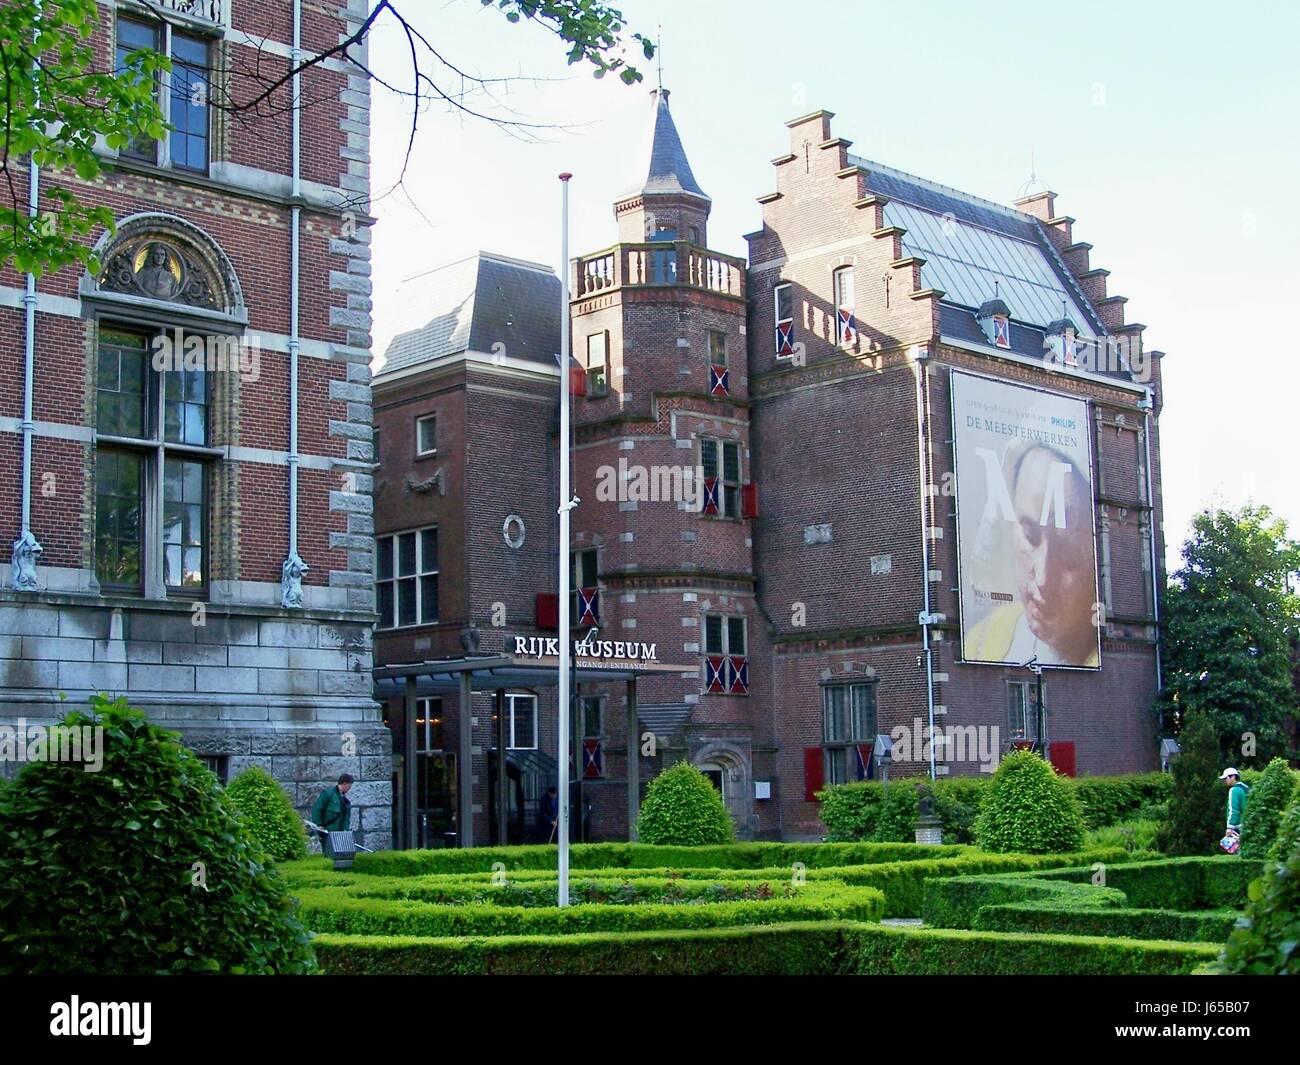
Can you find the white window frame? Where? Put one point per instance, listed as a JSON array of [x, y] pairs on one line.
[[601, 373], [421, 571], [723, 482], [1028, 711], [513, 700], [726, 635], [837, 279], [778, 321], [836, 750], [420, 452], [722, 360]]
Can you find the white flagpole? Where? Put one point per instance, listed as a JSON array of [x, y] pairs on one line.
[[566, 504]]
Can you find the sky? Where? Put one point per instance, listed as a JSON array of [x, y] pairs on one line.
[[1167, 130]]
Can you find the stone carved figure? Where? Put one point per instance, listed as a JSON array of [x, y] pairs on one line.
[[157, 277], [27, 553], [291, 574], [437, 480]]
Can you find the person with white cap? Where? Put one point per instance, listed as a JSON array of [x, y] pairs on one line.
[[1237, 792]]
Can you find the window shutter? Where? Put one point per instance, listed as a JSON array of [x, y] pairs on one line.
[[813, 773], [577, 379], [548, 610], [1061, 755], [749, 500]]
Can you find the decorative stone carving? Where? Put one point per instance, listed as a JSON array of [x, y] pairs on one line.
[[27, 553], [470, 638], [291, 574], [438, 480], [160, 270]]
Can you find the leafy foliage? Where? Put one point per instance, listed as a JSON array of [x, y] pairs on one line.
[[1264, 807], [1230, 620], [1197, 805], [57, 100], [682, 807], [593, 30], [140, 867], [1029, 809], [268, 814], [898, 812], [1136, 836], [1267, 938]]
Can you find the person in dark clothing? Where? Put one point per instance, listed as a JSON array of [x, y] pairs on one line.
[[332, 811], [551, 813]]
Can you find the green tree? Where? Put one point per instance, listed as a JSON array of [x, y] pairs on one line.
[[60, 101], [1230, 618], [1197, 805], [682, 808], [139, 866], [268, 814], [1266, 941], [1028, 808], [1264, 807]]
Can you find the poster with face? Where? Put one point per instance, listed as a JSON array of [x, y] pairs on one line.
[[1025, 525]]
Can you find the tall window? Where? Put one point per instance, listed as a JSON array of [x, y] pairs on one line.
[[586, 593], [151, 469], [406, 578], [783, 309], [186, 105], [846, 323], [848, 726], [717, 347], [521, 722], [720, 462], [726, 655], [1022, 711], [598, 364], [428, 725], [426, 435], [591, 717]]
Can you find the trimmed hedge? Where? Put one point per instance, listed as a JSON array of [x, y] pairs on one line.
[[1182, 884], [822, 949], [645, 855], [1209, 926], [851, 812], [333, 910], [1029, 808], [268, 814]]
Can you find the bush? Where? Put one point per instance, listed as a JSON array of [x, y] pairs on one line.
[[1110, 800], [1267, 800], [268, 814], [1137, 837], [141, 867], [1046, 918], [683, 808], [1197, 803], [1029, 809], [897, 820], [1267, 938]]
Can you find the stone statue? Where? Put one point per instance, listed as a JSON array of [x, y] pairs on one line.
[[469, 639], [27, 553], [291, 574], [155, 277]]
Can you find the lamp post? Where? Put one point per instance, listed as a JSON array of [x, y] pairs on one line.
[[566, 505], [1037, 670]]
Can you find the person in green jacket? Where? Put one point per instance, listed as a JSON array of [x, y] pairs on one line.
[[1237, 792], [332, 811]]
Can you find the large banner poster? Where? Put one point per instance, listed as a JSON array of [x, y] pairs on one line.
[[1025, 526]]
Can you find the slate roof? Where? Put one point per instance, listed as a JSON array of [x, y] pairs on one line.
[[663, 719], [976, 249], [662, 166], [477, 303]]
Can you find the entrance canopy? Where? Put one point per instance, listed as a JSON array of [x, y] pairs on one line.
[[537, 667]]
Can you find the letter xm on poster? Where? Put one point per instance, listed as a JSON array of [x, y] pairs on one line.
[[1025, 525]]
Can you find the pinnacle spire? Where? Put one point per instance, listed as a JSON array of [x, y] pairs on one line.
[[663, 166]]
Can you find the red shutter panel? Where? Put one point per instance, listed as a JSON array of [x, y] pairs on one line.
[[813, 773], [577, 380], [1061, 755], [749, 500], [548, 610]]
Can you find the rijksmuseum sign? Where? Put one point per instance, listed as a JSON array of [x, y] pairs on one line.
[[588, 651]]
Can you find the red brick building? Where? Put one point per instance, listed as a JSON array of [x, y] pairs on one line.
[[854, 486], [186, 434]]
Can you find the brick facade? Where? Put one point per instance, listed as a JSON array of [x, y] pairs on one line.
[[243, 678]]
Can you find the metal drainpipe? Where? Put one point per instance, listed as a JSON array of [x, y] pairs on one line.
[[921, 355], [288, 598], [1148, 406], [26, 546]]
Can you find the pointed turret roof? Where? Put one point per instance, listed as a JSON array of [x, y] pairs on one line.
[[663, 167]]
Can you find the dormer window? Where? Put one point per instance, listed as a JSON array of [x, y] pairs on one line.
[[994, 318], [1062, 341]]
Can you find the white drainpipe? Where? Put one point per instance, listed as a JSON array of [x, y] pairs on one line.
[[1148, 408], [920, 355], [294, 567], [27, 549]]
